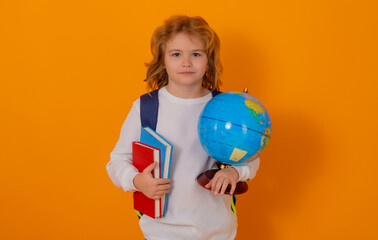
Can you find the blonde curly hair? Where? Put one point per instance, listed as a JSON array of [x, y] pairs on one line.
[[157, 75]]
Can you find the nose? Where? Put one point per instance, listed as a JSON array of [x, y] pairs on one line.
[[186, 62]]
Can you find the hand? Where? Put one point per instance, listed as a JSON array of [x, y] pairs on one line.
[[222, 179], [153, 188]]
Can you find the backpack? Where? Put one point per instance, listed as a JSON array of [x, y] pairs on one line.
[[149, 107]]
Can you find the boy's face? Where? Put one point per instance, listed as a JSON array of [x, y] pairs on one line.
[[185, 60]]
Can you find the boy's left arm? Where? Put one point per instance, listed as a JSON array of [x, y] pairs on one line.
[[248, 171], [232, 175]]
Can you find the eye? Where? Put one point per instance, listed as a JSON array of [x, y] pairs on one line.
[[176, 54], [196, 54]]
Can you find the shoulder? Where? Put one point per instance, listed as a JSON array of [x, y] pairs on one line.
[[136, 105], [144, 97]]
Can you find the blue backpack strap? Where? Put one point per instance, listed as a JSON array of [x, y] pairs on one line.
[[215, 92], [149, 106]]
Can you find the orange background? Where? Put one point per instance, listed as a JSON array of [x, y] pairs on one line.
[[70, 71]]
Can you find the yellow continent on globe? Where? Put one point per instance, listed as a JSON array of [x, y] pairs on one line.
[[237, 154], [254, 106]]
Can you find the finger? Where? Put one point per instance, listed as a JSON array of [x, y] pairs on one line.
[[150, 167], [214, 181], [218, 186], [152, 196], [164, 187], [156, 197], [209, 184], [161, 193], [163, 180], [233, 187], [165, 191], [224, 186]]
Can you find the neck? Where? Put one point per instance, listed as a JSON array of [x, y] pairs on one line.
[[187, 91]]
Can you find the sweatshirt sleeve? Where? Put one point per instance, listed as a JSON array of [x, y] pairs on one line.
[[248, 171], [120, 168]]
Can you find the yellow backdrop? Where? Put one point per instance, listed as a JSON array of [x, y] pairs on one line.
[[70, 71]]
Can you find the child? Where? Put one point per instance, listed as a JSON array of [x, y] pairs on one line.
[[185, 67]]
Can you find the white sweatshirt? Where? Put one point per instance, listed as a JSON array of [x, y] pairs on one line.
[[193, 212]]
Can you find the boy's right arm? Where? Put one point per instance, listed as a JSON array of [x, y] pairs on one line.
[[120, 168]]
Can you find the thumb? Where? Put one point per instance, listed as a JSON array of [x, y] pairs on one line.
[[150, 168]]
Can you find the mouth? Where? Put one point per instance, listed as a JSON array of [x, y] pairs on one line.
[[186, 73]]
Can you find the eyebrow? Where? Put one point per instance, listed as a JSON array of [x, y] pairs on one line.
[[194, 50]]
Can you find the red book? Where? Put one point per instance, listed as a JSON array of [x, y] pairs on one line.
[[143, 156]]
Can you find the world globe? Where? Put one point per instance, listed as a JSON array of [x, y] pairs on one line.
[[234, 128]]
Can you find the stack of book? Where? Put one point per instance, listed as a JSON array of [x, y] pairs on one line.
[[152, 148]]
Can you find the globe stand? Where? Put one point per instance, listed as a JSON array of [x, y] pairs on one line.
[[204, 178]]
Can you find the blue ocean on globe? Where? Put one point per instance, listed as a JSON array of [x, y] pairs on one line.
[[234, 128]]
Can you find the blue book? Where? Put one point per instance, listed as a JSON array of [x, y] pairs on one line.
[[152, 138]]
